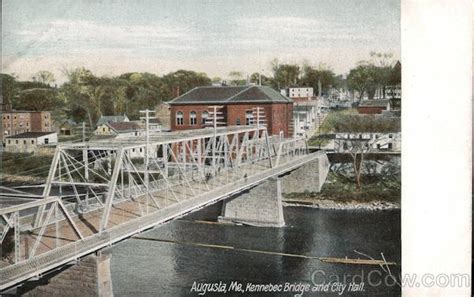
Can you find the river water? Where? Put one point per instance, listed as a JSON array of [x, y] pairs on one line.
[[171, 264]]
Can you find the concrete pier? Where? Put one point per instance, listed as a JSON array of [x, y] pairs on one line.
[[310, 177], [89, 277], [259, 206]]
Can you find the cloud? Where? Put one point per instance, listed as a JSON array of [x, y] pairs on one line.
[[64, 37]]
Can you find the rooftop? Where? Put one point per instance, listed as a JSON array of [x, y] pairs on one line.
[[374, 103], [124, 126], [222, 95], [30, 135], [108, 119]]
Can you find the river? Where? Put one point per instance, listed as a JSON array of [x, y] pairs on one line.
[[170, 265]]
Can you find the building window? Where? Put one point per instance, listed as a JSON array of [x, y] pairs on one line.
[[46, 141], [237, 122], [16, 141], [249, 118], [9, 141], [192, 118], [24, 141], [32, 142], [179, 118], [390, 136], [204, 117]]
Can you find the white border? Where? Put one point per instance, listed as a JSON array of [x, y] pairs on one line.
[[436, 148]]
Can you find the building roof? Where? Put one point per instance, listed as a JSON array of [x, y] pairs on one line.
[[124, 126], [112, 119], [374, 103], [30, 134], [23, 111], [229, 95]]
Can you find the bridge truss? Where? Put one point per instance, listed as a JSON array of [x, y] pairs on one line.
[[98, 193]]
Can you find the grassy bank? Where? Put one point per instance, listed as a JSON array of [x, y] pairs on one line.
[[25, 165], [342, 189]]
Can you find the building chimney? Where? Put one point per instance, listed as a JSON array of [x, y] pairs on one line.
[[175, 91]]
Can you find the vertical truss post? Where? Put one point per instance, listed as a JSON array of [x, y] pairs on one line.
[[85, 158], [17, 236], [47, 186], [111, 192], [56, 216], [165, 158]]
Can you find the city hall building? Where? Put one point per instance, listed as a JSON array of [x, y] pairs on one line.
[[240, 105]]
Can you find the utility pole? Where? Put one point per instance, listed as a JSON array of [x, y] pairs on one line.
[[319, 88], [83, 131], [147, 144], [147, 141]]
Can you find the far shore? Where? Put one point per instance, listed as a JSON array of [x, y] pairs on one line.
[[343, 205]]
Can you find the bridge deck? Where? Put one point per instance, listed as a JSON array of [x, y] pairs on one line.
[[129, 217]]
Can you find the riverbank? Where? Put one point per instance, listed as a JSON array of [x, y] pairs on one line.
[[376, 193], [348, 205]]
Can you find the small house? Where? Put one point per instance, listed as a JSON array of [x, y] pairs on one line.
[[122, 128], [67, 127], [29, 142]]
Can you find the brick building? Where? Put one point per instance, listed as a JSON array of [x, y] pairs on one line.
[[15, 122], [374, 106], [241, 105]]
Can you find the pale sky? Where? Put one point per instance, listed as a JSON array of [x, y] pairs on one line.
[[216, 37]]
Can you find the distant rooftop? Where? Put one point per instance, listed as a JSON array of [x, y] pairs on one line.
[[30, 135], [112, 119], [124, 126], [224, 94], [374, 103]]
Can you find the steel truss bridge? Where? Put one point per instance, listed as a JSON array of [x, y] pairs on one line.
[[98, 193]]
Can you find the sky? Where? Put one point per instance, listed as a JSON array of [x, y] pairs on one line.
[[216, 37]]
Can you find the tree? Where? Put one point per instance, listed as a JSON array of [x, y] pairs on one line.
[[44, 77], [9, 88], [264, 80], [237, 78], [37, 99], [357, 142], [313, 77], [285, 75], [185, 80], [362, 79]]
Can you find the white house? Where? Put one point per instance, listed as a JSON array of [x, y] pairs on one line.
[[28, 142], [369, 142], [123, 129], [294, 93]]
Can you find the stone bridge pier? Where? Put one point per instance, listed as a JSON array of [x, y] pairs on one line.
[[88, 277], [262, 204]]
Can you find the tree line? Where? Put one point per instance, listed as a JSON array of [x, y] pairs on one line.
[[85, 96]]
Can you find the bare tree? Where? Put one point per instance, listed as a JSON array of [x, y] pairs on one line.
[[44, 77], [360, 135], [358, 145]]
